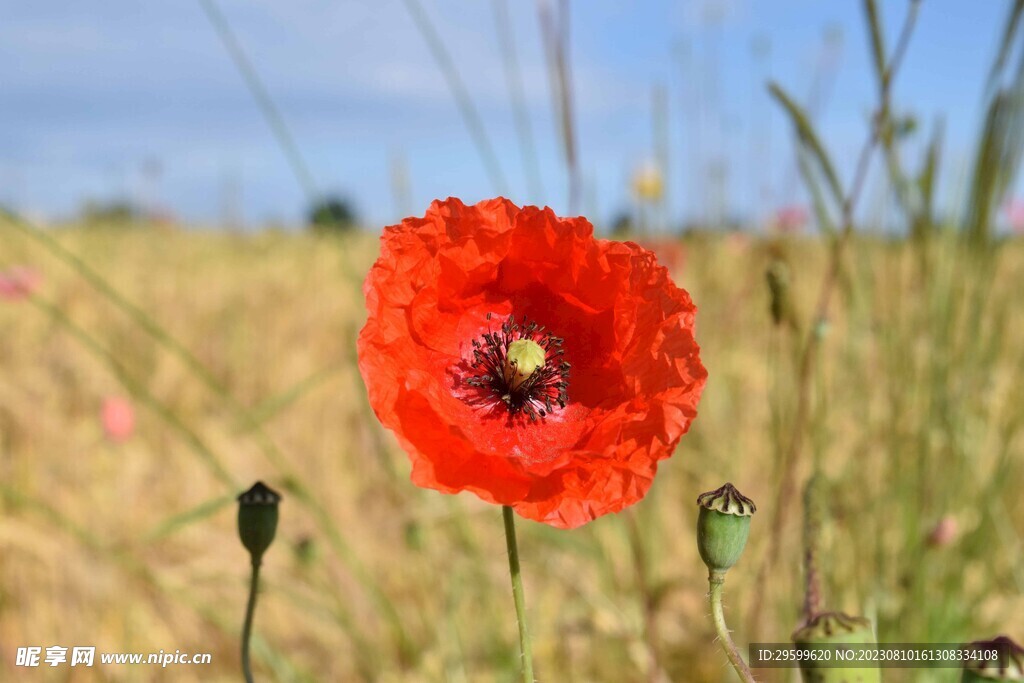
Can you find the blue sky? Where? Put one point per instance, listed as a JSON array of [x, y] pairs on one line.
[[92, 93]]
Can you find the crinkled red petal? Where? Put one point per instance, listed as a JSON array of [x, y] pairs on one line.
[[636, 374]]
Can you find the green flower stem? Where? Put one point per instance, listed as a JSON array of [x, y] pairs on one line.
[[717, 580], [250, 611], [517, 593]]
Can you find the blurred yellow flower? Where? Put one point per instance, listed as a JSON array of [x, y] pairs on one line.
[[648, 184]]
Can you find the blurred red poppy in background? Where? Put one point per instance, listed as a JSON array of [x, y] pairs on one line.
[[118, 418], [19, 283], [1014, 210], [517, 357], [792, 218]]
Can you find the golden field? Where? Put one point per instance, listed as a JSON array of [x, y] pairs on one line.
[[240, 362]]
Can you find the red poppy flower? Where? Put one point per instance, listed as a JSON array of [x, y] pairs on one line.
[[517, 357]]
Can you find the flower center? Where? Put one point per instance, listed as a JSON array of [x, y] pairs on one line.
[[521, 367], [524, 357]]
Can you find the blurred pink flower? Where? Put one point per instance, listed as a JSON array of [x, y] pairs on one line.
[[118, 417], [944, 532], [18, 282], [791, 218], [1014, 210], [737, 242]]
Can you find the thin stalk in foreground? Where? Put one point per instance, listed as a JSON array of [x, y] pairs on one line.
[[716, 581], [250, 611], [517, 594]]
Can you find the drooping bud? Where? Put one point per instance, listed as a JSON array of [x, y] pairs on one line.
[[524, 357], [1007, 665], [257, 519], [834, 628], [723, 526]]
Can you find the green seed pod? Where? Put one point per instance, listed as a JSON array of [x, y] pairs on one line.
[[833, 628], [1008, 666], [257, 519], [723, 526]]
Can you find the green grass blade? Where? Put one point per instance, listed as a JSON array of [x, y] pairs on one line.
[[818, 201], [809, 138], [179, 521], [261, 94], [929, 170], [1001, 139], [1011, 25], [274, 405], [878, 51], [997, 160], [470, 115]]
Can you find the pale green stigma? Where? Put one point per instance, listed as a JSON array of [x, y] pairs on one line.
[[524, 358], [521, 367]]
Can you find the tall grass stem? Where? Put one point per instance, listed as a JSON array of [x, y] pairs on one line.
[[812, 345], [555, 35], [470, 115], [513, 75], [263, 99]]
